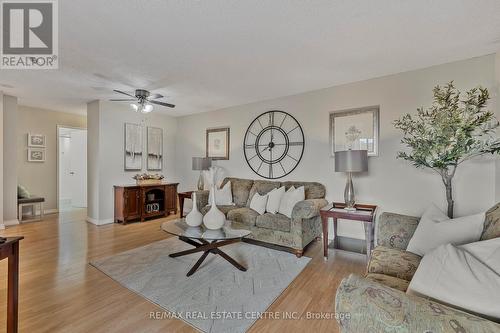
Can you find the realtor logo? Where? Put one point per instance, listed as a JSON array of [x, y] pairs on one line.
[[29, 34]]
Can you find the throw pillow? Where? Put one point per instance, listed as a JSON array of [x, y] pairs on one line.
[[274, 199], [258, 203], [22, 192], [435, 229], [289, 199], [223, 196]]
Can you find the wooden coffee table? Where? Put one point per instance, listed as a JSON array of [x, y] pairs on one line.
[[205, 240]]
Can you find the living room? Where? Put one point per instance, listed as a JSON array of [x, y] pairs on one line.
[[253, 167]]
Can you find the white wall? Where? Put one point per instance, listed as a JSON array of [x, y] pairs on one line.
[[496, 96], [393, 184], [10, 170], [106, 141]]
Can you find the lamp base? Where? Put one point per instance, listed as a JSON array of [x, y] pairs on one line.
[[350, 209], [201, 183]]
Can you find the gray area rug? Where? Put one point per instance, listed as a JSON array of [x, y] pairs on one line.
[[217, 297]]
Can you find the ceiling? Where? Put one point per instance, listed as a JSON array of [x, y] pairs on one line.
[[207, 55]]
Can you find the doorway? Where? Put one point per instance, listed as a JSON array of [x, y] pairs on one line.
[[72, 168]]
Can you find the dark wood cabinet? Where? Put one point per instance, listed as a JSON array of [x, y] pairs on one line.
[[140, 202]]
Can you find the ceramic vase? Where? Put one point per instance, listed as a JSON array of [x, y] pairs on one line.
[[194, 218], [214, 219]]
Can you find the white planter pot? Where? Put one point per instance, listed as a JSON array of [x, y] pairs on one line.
[[194, 218], [214, 219]]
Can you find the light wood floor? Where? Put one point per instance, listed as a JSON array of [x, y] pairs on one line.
[[60, 292]]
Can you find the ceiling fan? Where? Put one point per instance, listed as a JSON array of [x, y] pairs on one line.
[[143, 99]]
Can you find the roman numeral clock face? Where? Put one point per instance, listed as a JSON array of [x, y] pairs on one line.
[[274, 144]]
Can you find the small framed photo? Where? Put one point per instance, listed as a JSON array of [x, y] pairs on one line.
[[36, 140], [217, 144], [356, 129], [36, 155]]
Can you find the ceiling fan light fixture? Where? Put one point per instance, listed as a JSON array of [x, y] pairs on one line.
[[134, 107], [147, 108]]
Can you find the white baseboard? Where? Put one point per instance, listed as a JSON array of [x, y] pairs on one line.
[[99, 222], [51, 211], [11, 222]]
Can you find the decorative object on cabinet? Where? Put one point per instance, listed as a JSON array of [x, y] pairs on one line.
[[194, 218], [350, 161], [201, 164], [217, 143], [355, 129], [154, 149], [133, 147], [132, 202], [36, 140], [274, 144], [148, 179], [36, 155], [214, 219]]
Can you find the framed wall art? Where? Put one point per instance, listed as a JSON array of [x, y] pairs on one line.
[[154, 149], [133, 147], [356, 129], [36, 155], [36, 140], [217, 143]]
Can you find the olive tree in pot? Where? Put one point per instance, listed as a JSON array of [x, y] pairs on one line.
[[453, 130]]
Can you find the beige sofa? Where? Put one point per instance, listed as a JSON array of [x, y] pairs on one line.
[[276, 230]]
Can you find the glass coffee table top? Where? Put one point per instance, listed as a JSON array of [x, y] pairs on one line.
[[180, 228]]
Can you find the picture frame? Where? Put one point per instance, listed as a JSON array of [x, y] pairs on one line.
[[36, 155], [36, 140], [154, 149], [217, 143], [133, 147], [356, 129]]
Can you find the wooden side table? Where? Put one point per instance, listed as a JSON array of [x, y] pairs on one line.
[[182, 196], [335, 210], [10, 249]]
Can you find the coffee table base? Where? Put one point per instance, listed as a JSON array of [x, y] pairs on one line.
[[207, 247]]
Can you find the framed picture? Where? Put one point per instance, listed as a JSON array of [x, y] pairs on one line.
[[356, 129], [218, 143], [133, 147], [36, 155], [36, 140], [155, 149]]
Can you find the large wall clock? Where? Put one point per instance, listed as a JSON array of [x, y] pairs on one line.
[[274, 144]]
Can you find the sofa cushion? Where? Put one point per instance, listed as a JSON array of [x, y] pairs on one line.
[[262, 187], [492, 223], [240, 188], [393, 262], [389, 281], [223, 208], [243, 215], [277, 222], [313, 190]]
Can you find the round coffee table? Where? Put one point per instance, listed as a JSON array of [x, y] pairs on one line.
[[205, 240]]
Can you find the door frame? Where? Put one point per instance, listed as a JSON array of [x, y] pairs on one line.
[[58, 127]]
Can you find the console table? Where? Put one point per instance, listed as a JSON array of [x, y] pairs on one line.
[[141, 202], [10, 249], [335, 210]]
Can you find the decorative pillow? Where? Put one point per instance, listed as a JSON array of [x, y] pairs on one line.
[[289, 199], [492, 223], [258, 203], [274, 199], [435, 229], [223, 196], [22, 192]]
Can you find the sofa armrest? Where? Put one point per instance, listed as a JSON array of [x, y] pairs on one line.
[[395, 230], [307, 209], [362, 305], [202, 198]]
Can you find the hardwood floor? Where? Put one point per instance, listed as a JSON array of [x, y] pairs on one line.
[[60, 292]]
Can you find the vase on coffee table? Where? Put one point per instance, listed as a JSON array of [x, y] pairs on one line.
[[194, 218], [214, 219]]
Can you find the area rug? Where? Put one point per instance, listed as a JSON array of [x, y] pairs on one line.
[[217, 297]]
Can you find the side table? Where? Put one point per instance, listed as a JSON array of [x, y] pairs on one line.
[[10, 249], [335, 210], [182, 196]]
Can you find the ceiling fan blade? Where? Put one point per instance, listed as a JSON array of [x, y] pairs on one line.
[[155, 96], [122, 92], [123, 100], [163, 104]]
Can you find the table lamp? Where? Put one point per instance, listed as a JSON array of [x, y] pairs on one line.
[[201, 164], [350, 161]]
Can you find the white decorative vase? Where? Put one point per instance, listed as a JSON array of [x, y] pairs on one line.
[[214, 219], [194, 218]]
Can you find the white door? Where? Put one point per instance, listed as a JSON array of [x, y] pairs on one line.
[[78, 168]]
